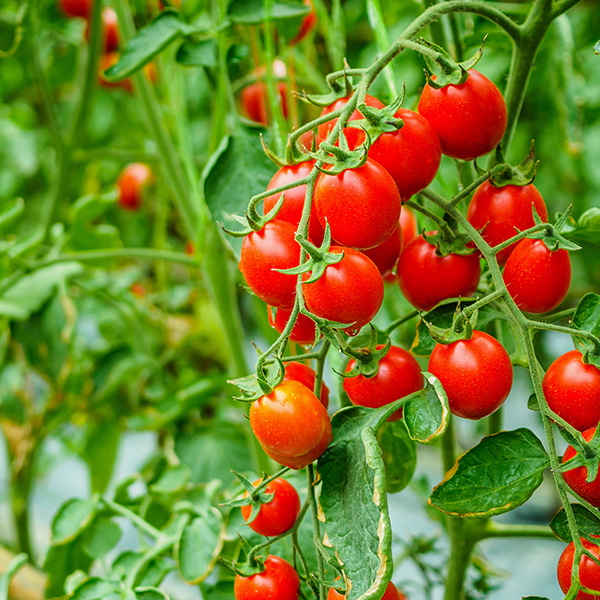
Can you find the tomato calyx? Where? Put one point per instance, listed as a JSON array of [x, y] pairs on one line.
[[269, 373], [448, 242], [257, 496], [551, 234], [366, 360], [253, 565], [506, 174], [252, 220], [587, 453]]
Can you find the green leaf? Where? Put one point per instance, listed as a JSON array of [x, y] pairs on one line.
[[587, 227], [10, 570], [28, 294], [198, 53], [426, 412], [86, 233], [63, 560], [494, 477], [587, 523], [72, 518], [587, 318], [104, 535], [252, 12], [100, 451], [399, 455], [172, 480], [199, 546], [353, 475], [150, 41], [10, 211], [150, 593], [95, 589]]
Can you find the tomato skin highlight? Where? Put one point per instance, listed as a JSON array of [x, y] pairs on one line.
[[350, 291], [425, 278], [279, 581], [399, 375], [361, 206], [476, 374], [131, 183], [391, 593], [572, 390], [273, 247], [298, 371], [304, 331], [408, 222], [254, 101], [469, 119], [576, 478], [500, 212], [589, 571], [278, 515], [537, 278]]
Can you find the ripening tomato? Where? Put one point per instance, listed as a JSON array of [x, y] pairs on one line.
[[572, 390], [469, 119], [308, 24], [279, 514], [293, 199], [76, 8], [385, 256], [255, 101], [391, 593], [589, 571], [279, 581], [476, 374], [411, 155], [362, 205], [138, 289], [426, 278], [298, 371], [576, 478], [354, 136], [408, 222], [110, 30], [537, 278], [304, 331], [350, 291], [501, 212], [131, 183], [290, 422], [399, 375], [273, 247]]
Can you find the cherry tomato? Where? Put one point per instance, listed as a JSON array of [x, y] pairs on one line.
[[354, 136], [537, 278], [304, 331], [255, 102], [132, 181], [576, 478], [273, 247], [293, 199], [298, 371], [290, 422], [278, 515], [411, 155], [138, 289], [362, 205], [589, 571], [385, 256], [500, 212], [572, 390], [110, 30], [190, 248], [350, 291], [426, 278], [76, 8], [408, 222], [299, 462], [308, 24], [279, 581], [399, 375], [391, 593], [469, 119], [476, 373]]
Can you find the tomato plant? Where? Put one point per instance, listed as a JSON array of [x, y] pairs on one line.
[[576, 478], [303, 332], [589, 571], [385, 256], [279, 581], [254, 101], [297, 371], [391, 593]]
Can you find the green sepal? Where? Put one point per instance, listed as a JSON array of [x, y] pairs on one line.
[[256, 497], [261, 384], [461, 328], [251, 566], [324, 324], [367, 359], [520, 175], [319, 258], [588, 454], [339, 89], [445, 246]]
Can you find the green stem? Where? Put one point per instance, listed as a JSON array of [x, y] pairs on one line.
[[140, 523], [310, 473], [495, 530]]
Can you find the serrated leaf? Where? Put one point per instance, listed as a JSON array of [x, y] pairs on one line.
[[104, 535], [252, 12], [587, 523], [172, 480], [426, 413], [198, 53], [494, 477], [199, 546], [399, 455], [587, 318], [353, 475], [72, 518]]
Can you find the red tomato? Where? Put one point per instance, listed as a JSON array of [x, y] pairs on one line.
[[255, 102], [190, 248], [426, 278], [477, 374], [350, 291], [385, 256], [589, 571], [308, 24], [362, 205], [299, 462], [138, 289], [576, 478], [572, 390], [110, 30], [279, 581], [298, 371], [411, 155], [76, 8], [293, 199], [132, 181], [273, 247], [399, 375], [304, 331], [290, 422], [278, 515], [354, 136], [408, 222], [391, 593], [500, 212], [469, 119], [537, 278]]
